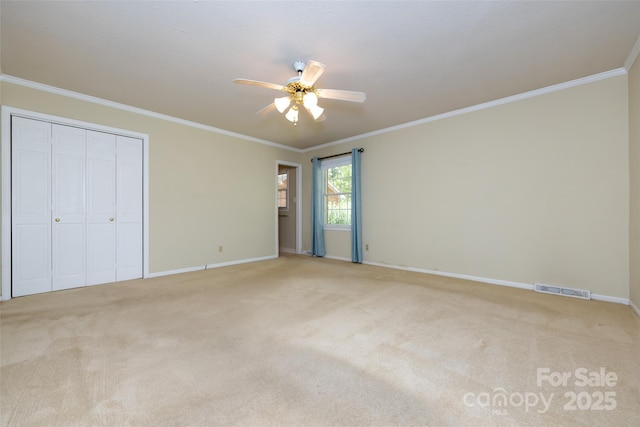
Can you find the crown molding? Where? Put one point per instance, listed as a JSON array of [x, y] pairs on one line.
[[136, 110], [633, 55], [514, 98], [490, 104]]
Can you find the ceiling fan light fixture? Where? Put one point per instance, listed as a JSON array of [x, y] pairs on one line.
[[292, 115], [315, 111], [282, 103], [310, 99], [301, 91]]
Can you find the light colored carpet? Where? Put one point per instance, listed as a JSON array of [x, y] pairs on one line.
[[314, 342]]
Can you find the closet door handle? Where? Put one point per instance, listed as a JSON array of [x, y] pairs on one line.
[[111, 219], [57, 219]]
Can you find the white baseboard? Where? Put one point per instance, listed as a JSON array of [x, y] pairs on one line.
[[607, 298], [208, 266], [519, 285], [339, 258], [527, 286], [241, 261], [457, 276], [171, 272]]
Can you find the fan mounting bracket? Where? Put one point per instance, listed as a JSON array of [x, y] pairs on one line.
[[298, 66]]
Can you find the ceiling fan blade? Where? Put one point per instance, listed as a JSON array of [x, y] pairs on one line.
[[312, 71], [257, 83], [266, 110], [342, 95]]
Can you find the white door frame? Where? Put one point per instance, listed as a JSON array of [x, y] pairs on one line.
[[298, 167], [5, 248]]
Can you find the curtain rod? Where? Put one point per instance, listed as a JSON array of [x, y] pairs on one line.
[[338, 155]]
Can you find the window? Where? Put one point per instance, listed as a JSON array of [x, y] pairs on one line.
[[337, 192], [283, 190]]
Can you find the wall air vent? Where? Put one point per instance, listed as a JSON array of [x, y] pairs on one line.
[[558, 290]]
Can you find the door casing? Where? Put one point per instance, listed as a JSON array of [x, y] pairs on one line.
[[298, 213]]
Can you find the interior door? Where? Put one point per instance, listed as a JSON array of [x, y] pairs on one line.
[[30, 206], [68, 207], [129, 204], [76, 208], [101, 208]]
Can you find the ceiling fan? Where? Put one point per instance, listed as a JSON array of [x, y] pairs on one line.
[[302, 93]]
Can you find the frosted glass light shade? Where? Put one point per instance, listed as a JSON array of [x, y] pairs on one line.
[[315, 111], [310, 99], [292, 114], [282, 103]]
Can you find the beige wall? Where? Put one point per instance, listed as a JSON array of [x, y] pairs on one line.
[[199, 198], [531, 191], [634, 161]]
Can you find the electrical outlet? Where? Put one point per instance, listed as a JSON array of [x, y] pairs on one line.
[[366, 247], [220, 248]]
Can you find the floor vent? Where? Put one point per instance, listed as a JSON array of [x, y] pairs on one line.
[[558, 290]]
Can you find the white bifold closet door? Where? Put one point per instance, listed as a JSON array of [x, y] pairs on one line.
[[76, 207], [30, 206], [68, 207], [101, 208], [129, 202]]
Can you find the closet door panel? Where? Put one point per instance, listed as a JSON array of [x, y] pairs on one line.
[[101, 208], [69, 216], [31, 259], [129, 205], [68, 267], [30, 206]]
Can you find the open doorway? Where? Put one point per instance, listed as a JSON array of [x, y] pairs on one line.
[[288, 208]]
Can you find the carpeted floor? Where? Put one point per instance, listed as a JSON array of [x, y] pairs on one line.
[[316, 342]]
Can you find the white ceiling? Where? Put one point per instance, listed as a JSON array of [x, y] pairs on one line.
[[414, 59]]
